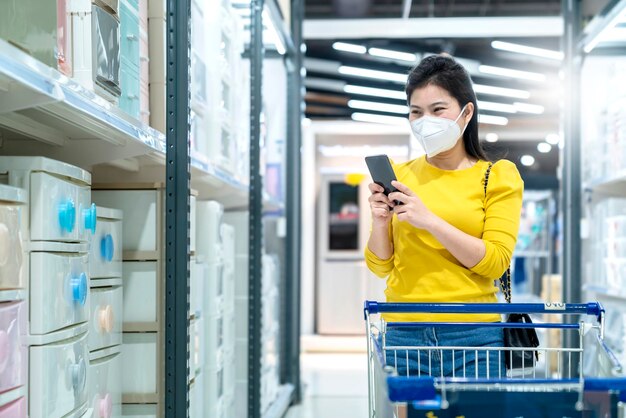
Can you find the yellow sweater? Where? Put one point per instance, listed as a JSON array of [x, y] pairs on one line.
[[421, 269]]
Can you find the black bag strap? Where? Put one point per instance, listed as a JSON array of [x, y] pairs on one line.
[[505, 280]]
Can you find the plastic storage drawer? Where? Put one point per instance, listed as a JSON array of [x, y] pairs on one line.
[[15, 409], [196, 288], [11, 251], [58, 377], [209, 241], [214, 338], [13, 359], [196, 353], [105, 383], [139, 362], [105, 255], [196, 393], [141, 209], [214, 387], [141, 289], [106, 317], [59, 291]]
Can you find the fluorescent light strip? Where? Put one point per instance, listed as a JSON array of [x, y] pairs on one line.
[[370, 91], [507, 72], [366, 73], [528, 50], [386, 120], [378, 107], [493, 120], [501, 91], [529, 108], [496, 107], [394, 55], [346, 47]]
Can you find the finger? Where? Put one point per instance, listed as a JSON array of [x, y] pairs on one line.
[[376, 188], [401, 187], [400, 197], [379, 197]]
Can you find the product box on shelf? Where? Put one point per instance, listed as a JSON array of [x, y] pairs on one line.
[[214, 386], [208, 238], [106, 317], [59, 198], [105, 252], [130, 47], [13, 358], [197, 278], [157, 28], [12, 208], [214, 340], [105, 383], [196, 401], [40, 27], [140, 352]]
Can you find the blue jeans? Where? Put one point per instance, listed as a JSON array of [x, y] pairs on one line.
[[446, 363]]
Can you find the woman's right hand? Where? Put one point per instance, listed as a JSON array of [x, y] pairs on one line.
[[380, 205]]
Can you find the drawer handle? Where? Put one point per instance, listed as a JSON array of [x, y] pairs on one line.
[[5, 244], [79, 288], [106, 318], [105, 407], [5, 350], [90, 216], [67, 216], [107, 248], [79, 375]]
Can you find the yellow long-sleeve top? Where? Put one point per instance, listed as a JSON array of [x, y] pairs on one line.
[[421, 269]]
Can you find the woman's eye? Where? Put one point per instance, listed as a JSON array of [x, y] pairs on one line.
[[439, 109]]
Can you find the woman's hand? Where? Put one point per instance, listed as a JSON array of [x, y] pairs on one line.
[[380, 205], [412, 209]]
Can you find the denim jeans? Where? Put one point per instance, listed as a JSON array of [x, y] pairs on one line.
[[446, 363]]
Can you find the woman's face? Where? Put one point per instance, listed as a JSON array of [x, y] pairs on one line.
[[432, 100]]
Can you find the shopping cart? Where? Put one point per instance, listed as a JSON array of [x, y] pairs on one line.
[[564, 382]]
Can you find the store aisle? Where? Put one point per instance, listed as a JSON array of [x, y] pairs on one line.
[[335, 386]]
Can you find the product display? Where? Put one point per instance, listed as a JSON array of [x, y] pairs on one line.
[[105, 383]]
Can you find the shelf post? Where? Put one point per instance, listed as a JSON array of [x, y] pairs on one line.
[[177, 184]]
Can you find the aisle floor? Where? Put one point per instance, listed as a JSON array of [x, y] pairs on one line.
[[335, 386]]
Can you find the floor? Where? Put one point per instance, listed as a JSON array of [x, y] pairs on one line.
[[334, 381]]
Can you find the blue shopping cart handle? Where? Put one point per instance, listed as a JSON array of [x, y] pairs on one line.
[[590, 308]]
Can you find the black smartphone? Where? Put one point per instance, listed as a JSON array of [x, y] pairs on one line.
[[381, 172]]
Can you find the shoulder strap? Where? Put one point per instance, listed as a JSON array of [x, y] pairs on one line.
[[505, 280]]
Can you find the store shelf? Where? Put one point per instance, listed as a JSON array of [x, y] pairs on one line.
[[605, 292], [282, 402], [214, 183], [614, 185], [66, 121], [598, 32]]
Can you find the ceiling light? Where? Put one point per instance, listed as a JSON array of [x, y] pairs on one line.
[[544, 147], [379, 75], [501, 91], [378, 107], [493, 120], [507, 72], [553, 139], [370, 91], [496, 107], [527, 160], [528, 50], [491, 137], [386, 120], [345, 47], [529, 108], [394, 55]]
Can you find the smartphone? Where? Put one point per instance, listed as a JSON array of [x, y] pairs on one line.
[[381, 172]]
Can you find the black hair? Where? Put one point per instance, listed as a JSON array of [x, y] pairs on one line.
[[444, 72]]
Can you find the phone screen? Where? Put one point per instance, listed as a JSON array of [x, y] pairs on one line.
[[381, 172]]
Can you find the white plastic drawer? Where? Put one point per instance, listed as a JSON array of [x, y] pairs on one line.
[[196, 288], [140, 208], [196, 340], [15, 409], [140, 291], [139, 362], [192, 222], [105, 256], [230, 332], [196, 393], [58, 377], [209, 240], [59, 291], [214, 386], [106, 317], [105, 386], [13, 359], [60, 210], [214, 338], [11, 253], [214, 289], [139, 411]]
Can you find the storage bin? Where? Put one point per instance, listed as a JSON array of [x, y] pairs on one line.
[[139, 362], [105, 255], [214, 386], [106, 317], [196, 401], [230, 331], [214, 340], [141, 289], [615, 274], [11, 250], [197, 344], [230, 375], [59, 290], [40, 27], [209, 240], [157, 43], [615, 227], [196, 288], [130, 47], [105, 386], [214, 290], [58, 377], [15, 409], [139, 411], [13, 357]]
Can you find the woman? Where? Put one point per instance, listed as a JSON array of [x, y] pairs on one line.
[[449, 238]]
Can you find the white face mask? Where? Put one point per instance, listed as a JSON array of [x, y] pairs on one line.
[[436, 134]]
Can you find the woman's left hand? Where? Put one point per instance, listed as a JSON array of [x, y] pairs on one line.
[[412, 209]]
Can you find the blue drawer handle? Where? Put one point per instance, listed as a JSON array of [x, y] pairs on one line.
[[79, 288], [67, 216], [107, 248], [79, 375], [91, 218]]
